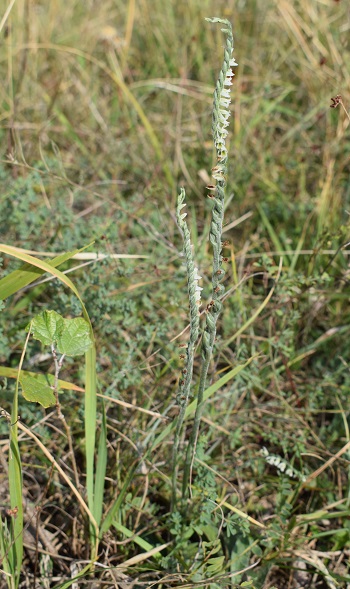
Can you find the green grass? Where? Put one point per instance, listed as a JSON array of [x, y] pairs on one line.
[[105, 114]]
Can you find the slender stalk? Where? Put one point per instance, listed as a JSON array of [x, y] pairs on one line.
[[16, 481], [219, 128], [58, 367], [194, 299]]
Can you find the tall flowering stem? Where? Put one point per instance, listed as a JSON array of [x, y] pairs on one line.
[[194, 296], [221, 114]]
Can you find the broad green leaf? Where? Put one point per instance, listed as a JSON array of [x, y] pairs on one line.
[[71, 337], [240, 555], [36, 389], [47, 327], [75, 337]]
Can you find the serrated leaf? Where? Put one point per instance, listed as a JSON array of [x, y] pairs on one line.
[[75, 338], [37, 390], [47, 327]]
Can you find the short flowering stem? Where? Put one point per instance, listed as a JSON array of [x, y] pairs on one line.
[[194, 292]]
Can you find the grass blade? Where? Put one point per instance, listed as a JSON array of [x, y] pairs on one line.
[[90, 423], [257, 312], [129, 534], [6, 556], [15, 481], [112, 512], [101, 465], [272, 233], [18, 279], [191, 408]]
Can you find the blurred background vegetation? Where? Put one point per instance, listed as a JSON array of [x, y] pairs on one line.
[[105, 112]]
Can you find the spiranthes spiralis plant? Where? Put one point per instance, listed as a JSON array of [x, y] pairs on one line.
[[221, 113]]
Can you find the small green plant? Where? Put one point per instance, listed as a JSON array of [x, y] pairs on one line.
[[65, 337], [68, 337]]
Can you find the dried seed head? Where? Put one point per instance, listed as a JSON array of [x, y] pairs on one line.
[[336, 101], [209, 306]]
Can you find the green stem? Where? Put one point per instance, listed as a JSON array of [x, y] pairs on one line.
[[209, 334], [187, 373]]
